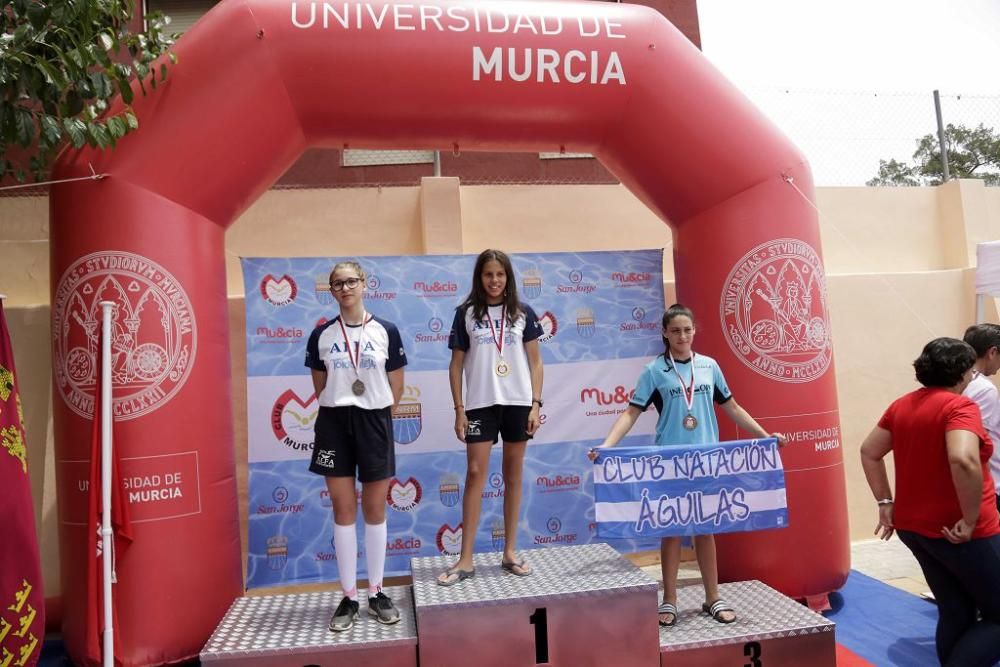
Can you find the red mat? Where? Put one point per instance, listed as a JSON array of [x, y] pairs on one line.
[[848, 658]]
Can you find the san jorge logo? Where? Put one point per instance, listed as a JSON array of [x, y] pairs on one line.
[[774, 314], [435, 332], [577, 284], [373, 285], [293, 420], [278, 291], [639, 322], [154, 336], [404, 496]]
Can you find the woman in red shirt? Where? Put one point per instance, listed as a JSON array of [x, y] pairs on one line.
[[944, 508]]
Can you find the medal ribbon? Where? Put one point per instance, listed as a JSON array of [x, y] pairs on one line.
[[503, 322], [688, 391], [365, 319]]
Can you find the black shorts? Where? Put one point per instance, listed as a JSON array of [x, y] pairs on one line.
[[507, 421], [351, 439]]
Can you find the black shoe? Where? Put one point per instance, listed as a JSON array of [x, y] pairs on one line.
[[343, 618], [382, 609]]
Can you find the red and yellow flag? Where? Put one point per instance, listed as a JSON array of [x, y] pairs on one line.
[[22, 605]]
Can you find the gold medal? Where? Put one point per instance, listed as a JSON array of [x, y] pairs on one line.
[[690, 422], [503, 370]]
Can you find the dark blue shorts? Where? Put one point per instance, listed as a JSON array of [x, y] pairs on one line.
[[351, 440], [491, 423]]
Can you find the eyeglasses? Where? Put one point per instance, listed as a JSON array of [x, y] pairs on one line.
[[340, 285]]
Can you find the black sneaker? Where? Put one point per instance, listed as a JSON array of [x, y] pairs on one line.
[[343, 618], [382, 609]]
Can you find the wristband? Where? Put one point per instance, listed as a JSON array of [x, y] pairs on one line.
[[885, 501], [539, 401]]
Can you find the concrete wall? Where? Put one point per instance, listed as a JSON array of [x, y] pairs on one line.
[[899, 263]]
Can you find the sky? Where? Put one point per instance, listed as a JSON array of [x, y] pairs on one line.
[[851, 81]]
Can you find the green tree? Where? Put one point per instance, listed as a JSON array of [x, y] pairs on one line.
[[972, 153], [61, 63]]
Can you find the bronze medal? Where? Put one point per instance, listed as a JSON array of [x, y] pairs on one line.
[[358, 387], [690, 422]]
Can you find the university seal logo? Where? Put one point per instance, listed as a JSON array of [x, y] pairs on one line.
[[153, 333], [774, 313]]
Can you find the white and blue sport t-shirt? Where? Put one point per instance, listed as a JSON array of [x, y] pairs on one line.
[[483, 387], [659, 385], [379, 349]]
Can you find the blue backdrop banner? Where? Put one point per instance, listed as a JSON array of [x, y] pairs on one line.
[[660, 491], [600, 312]]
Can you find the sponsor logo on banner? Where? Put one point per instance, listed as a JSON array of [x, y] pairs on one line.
[[278, 291], [554, 526], [404, 496], [279, 495], [618, 399], [774, 313], [374, 291], [449, 490], [280, 334], [496, 486], [153, 333], [322, 290], [531, 283], [277, 552], [449, 540], [436, 288], [639, 322], [326, 501], [577, 284], [327, 555], [586, 325], [549, 326], [293, 421], [407, 545], [434, 333], [498, 535], [631, 279], [554, 483], [406, 417]]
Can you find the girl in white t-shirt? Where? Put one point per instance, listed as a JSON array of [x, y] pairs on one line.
[[494, 340]]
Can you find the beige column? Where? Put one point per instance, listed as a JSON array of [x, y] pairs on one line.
[[441, 215]]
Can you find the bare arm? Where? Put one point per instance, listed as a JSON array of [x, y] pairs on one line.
[[967, 476], [535, 366], [455, 380], [319, 381], [396, 384], [873, 452], [743, 420], [619, 429]]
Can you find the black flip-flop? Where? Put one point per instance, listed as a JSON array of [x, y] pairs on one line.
[[522, 565], [716, 609], [667, 608]]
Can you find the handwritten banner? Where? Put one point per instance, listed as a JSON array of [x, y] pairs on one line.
[[675, 490]]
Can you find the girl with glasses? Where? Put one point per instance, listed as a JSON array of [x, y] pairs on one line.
[[357, 363], [494, 343]]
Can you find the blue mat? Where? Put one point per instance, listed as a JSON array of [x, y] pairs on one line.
[[883, 624]]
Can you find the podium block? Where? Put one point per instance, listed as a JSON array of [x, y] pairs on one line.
[[770, 629], [289, 630], [584, 605]]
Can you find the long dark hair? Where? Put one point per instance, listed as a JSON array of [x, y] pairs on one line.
[[477, 299], [673, 311]]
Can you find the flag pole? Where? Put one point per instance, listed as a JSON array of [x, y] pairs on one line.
[[108, 657]]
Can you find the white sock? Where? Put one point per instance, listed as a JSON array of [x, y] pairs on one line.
[[375, 537], [345, 540]]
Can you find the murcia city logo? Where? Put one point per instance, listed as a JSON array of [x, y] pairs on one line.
[[278, 291], [406, 417], [322, 290], [586, 325], [404, 496], [498, 535], [449, 490], [449, 540], [774, 313], [293, 420], [531, 283], [153, 333], [277, 552]]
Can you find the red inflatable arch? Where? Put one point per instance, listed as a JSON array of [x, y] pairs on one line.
[[258, 82]]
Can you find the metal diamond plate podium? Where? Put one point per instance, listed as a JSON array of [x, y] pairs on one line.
[[584, 605], [770, 629], [287, 630]]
